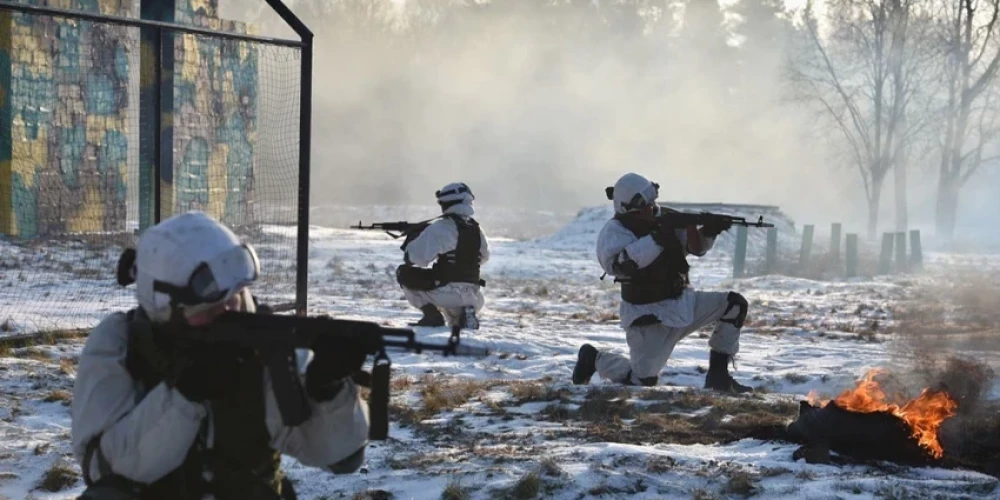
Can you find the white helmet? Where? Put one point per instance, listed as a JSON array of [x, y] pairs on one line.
[[192, 262], [632, 192], [453, 194]]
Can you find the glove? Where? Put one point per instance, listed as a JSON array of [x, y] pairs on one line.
[[207, 372], [716, 227], [333, 361]]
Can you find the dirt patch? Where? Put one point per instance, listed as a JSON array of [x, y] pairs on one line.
[[681, 417]]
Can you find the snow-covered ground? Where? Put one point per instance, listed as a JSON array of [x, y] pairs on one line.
[[511, 425]]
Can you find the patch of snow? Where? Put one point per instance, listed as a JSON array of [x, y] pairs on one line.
[[544, 299]]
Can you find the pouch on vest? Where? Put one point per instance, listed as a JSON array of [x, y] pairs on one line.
[[416, 278]]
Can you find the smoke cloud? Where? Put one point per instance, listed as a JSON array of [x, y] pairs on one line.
[[540, 105]]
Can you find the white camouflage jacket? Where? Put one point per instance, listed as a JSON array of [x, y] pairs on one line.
[[616, 243], [146, 437], [442, 237]]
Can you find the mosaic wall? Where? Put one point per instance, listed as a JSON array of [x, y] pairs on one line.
[[64, 107], [63, 123], [214, 115]]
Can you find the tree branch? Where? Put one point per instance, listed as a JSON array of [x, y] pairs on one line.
[[838, 87]]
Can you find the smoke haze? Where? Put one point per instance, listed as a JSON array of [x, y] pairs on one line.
[[540, 105]]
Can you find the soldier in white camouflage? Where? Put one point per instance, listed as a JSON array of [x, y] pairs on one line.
[[658, 306], [455, 247], [157, 418]]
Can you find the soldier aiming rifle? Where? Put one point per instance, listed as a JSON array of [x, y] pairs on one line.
[[199, 391], [645, 248], [457, 246]]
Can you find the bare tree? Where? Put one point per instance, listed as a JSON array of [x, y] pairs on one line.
[[969, 115], [860, 76]]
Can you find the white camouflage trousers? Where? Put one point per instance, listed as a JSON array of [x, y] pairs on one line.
[[450, 299], [650, 346]]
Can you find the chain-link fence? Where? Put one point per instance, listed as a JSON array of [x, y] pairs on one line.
[[110, 123]]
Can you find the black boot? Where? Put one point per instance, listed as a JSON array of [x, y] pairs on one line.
[[586, 364], [469, 321], [718, 377], [432, 317]]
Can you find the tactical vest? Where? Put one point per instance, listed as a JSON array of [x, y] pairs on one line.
[[665, 278], [461, 264], [242, 463]]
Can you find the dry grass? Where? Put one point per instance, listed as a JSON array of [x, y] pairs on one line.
[[400, 384], [660, 464], [607, 317], [58, 395], [455, 491], [669, 419], [67, 366], [59, 477], [532, 391], [549, 466], [702, 494], [373, 495], [442, 394], [9, 345], [528, 487], [741, 483], [35, 354]]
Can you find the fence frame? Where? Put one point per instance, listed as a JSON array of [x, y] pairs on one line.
[[161, 29]]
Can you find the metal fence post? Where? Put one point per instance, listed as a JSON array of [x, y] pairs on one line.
[[740, 255], [305, 145], [156, 84]]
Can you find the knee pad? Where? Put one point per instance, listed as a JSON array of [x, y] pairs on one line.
[[649, 381], [738, 302]]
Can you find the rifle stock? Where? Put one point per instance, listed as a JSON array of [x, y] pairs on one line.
[[275, 339]]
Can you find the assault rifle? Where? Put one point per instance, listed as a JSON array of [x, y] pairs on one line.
[[275, 338], [674, 219], [402, 227]]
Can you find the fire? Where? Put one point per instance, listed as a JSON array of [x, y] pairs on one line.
[[924, 414]]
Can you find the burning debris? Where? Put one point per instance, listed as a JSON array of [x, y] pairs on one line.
[[864, 422]]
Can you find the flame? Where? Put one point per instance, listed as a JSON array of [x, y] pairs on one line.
[[924, 414]]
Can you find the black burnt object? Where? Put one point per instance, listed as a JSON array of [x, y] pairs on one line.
[[868, 436]]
